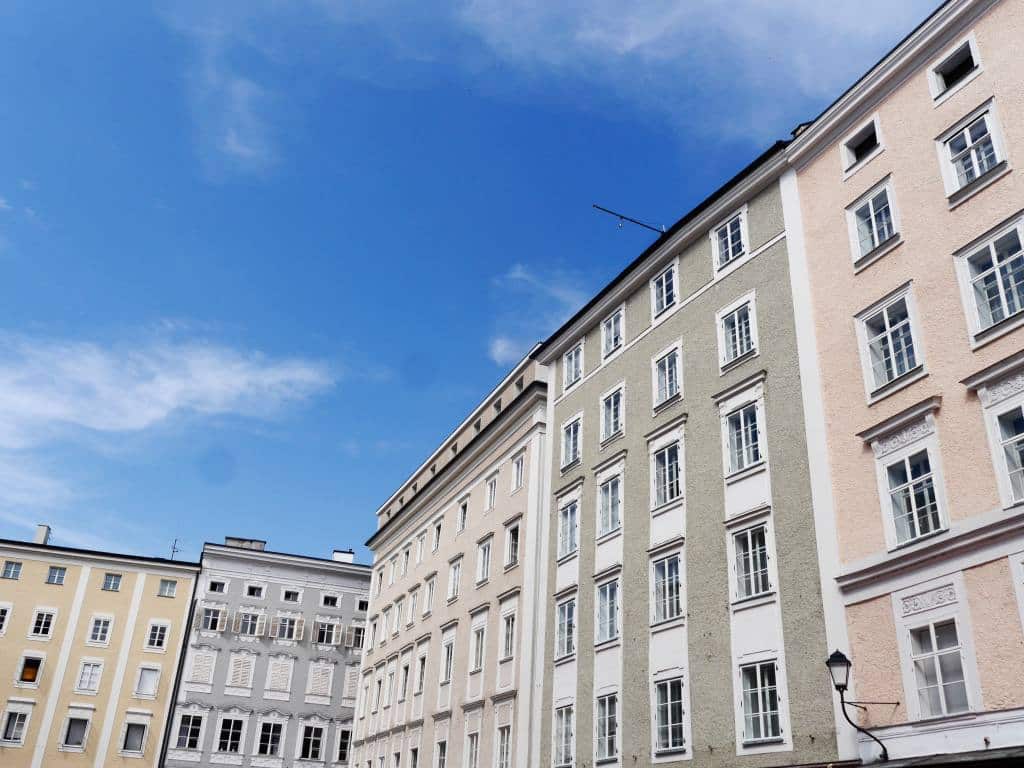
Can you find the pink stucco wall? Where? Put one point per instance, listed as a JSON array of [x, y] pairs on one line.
[[877, 668], [998, 639]]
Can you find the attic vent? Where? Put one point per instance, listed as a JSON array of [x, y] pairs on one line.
[[476, 425], [519, 384], [497, 405], [455, 448], [433, 469]]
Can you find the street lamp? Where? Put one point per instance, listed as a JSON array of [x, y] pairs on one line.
[[839, 669]]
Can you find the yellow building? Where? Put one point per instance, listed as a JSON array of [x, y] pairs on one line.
[[90, 644]]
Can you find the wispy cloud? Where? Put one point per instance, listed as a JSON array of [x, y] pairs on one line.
[[4, 205]]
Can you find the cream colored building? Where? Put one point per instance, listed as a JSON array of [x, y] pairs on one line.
[[447, 671], [90, 644], [910, 315]]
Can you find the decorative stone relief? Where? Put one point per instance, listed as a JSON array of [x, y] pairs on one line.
[[1001, 390], [924, 601], [909, 434]]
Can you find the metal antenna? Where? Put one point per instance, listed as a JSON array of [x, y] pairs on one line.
[[622, 217], [174, 548]]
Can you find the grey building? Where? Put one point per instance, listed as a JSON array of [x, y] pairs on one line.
[[684, 616], [271, 669]]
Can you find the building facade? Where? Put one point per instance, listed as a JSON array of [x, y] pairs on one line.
[[448, 672], [684, 617], [272, 663], [90, 643], [912, 283]]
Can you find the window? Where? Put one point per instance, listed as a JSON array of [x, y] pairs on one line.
[[344, 742], [889, 337], [955, 68], [611, 414], [608, 611], [737, 330], [290, 596], [270, 739], [861, 145], [744, 438], [12, 569], [134, 737], [5, 612], [511, 545], [971, 151], [312, 742], [518, 468], [358, 634], [611, 333], [30, 667], [442, 754], [607, 727], [571, 442], [254, 590], [751, 562], [666, 475], [247, 624], [326, 632], [112, 582], [669, 715], [147, 683], [915, 509], [56, 575], [508, 633], [448, 661], [216, 586], [213, 619], [567, 529], [414, 757], [74, 733], [667, 603], [483, 562], [609, 495], [938, 669], [996, 273], [399, 612], [168, 588], [42, 624], [454, 577], [460, 521], [760, 702], [421, 673], [565, 637], [666, 376], [363, 605], [872, 220], [564, 747], [1011, 437], [99, 632], [156, 637], [479, 634], [405, 561], [437, 535], [230, 738], [664, 290], [189, 729], [89, 677], [491, 494], [504, 747], [289, 628], [572, 364], [14, 728], [473, 750], [729, 241], [403, 685]]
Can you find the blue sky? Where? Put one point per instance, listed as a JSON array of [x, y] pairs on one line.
[[258, 258]]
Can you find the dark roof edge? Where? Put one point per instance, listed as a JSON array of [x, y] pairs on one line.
[[222, 548], [98, 553]]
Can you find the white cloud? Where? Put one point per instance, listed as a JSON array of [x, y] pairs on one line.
[[4, 205], [505, 351]]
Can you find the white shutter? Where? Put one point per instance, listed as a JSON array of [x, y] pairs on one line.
[[279, 674], [350, 637], [148, 679], [351, 682], [274, 622], [300, 628], [319, 679], [202, 668], [240, 672], [261, 625], [236, 622], [336, 633]]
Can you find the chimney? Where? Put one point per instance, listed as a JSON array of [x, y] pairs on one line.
[[343, 556], [42, 534], [234, 541]]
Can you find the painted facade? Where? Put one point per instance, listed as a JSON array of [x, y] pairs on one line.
[[911, 334], [90, 643], [448, 673], [272, 662]]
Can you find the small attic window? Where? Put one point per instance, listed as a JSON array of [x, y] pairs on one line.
[[519, 384], [401, 500], [414, 487], [954, 68], [861, 145], [476, 425], [433, 469], [455, 448], [497, 405]]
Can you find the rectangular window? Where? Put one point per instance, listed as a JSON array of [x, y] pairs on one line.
[[437, 536], [448, 661], [247, 623], [996, 272], [12, 569], [254, 590], [667, 603], [1011, 438], [42, 624], [483, 562], [915, 508], [666, 475], [669, 715], [442, 754], [270, 739], [156, 638], [729, 241], [428, 604], [74, 733], [739, 335], [664, 288], [666, 375], [511, 545], [572, 364], [421, 673], [89, 677], [571, 442], [609, 517], [518, 469], [288, 629], [168, 588], [112, 582], [463, 517], [861, 145], [147, 683], [189, 728], [290, 596], [972, 151], [230, 737], [508, 645], [939, 669], [312, 742], [491, 494], [56, 575], [479, 634], [567, 543], [14, 728], [454, 577], [607, 727], [751, 562], [564, 747], [504, 747], [134, 738], [608, 611], [611, 333], [473, 750], [954, 69], [744, 438], [30, 666], [565, 637], [4, 615], [873, 221], [216, 586], [212, 619], [100, 631], [890, 342], [344, 742], [326, 632], [760, 703], [611, 414]]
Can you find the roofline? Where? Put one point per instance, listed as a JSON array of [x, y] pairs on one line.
[[530, 356], [770, 153], [98, 553], [221, 549]]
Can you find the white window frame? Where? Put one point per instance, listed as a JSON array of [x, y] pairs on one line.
[[606, 727], [11, 570], [135, 719], [509, 538], [615, 475], [483, 560], [655, 447], [961, 259], [567, 547], [88, 661], [730, 466], [724, 361], [564, 744], [191, 712], [461, 514], [75, 713], [478, 646], [749, 741], [114, 580], [656, 560], [936, 86], [259, 587], [672, 748], [882, 247], [312, 723], [508, 635], [620, 312], [518, 471], [993, 411], [6, 609], [848, 163], [601, 621], [56, 574], [297, 601], [565, 642], [454, 578], [568, 383], [491, 492], [569, 461], [722, 268], [153, 624], [745, 527], [620, 390], [950, 180], [171, 588], [50, 611], [657, 315], [677, 347], [270, 720], [874, 390]]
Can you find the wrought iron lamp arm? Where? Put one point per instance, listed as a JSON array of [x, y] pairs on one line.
[[842, 700]]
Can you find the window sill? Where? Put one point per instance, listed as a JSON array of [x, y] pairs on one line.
[[666, 752], [941, 98], [612, 534], [748, 471], [451, 600], [754, 601], [736, 362], [565, 659], [863, 162], [505, 659], [912, 542], [39, 638], [511, 566], [666, 624], [667, 403], [991, 176], [606, 760], [763, 742], [885, 247], [483, 583], [571, 465], [908, 378], [605, 645], [668, 506], [997, 330], [612, 438], [567, 557]]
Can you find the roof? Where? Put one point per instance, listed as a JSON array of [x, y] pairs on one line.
[[43, 548], [226, 548]]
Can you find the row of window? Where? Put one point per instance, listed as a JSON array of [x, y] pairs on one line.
[[75, 730], [98, 632], [471, 758], [258, 591], [56, 574], [254, 624]]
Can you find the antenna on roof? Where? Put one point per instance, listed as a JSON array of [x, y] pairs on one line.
[[622, 218], [175, 549]]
